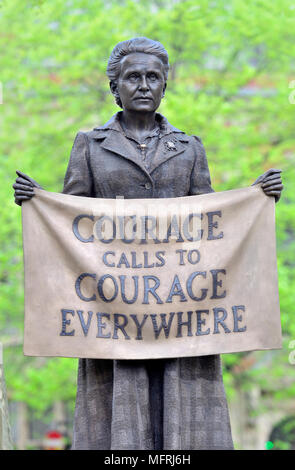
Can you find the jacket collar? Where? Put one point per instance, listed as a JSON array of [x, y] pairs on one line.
[[172, 141], [114, 124]]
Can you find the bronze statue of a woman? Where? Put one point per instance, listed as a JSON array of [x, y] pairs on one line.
[[144, 404]]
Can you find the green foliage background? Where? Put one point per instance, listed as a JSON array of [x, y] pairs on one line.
[[232, 67]]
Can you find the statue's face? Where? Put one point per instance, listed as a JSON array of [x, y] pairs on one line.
[[141, 84]]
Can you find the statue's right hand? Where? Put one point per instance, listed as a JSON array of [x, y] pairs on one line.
[[24, 188]]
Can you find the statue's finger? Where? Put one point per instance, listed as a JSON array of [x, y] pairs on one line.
[[274, 188], [269, 173], [22, 198], [273, 193], [272, 171], [277, 187], [23, 186], [24, 181], [20, 192], [28, 178], [23, 175], [271, 177], [271, 182]]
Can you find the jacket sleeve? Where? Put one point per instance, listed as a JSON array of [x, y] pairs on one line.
[[200, 176], [78, 179]]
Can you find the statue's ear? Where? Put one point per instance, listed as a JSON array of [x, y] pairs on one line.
[[114, 90], [113, 86], [164, 89]]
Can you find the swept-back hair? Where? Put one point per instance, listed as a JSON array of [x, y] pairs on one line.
[[141, 44]]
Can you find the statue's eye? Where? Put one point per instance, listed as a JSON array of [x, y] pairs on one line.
[[152, 76], [133, 77]]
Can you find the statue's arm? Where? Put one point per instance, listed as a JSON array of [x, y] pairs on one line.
[[78, 178], [200, 176]]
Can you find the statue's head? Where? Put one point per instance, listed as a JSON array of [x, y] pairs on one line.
[[138, 72]]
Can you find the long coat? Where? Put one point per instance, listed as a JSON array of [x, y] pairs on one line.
[[145, 404]]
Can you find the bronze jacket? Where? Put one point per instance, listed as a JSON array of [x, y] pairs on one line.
[[104, 164]]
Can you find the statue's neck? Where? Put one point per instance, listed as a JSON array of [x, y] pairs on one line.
[[138, 124]]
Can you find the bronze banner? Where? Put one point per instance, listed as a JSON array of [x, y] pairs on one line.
[[150, 278]]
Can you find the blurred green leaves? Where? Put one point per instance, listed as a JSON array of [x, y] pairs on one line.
[[231, 65]]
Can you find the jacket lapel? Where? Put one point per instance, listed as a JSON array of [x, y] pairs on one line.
[[169, 146], [117, 143]]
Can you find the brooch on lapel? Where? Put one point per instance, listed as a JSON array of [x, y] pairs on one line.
[[170, 145]]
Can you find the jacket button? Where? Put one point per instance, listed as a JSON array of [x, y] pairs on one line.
[[147, 185]]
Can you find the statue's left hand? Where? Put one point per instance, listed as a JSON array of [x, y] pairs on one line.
[[271, 183]]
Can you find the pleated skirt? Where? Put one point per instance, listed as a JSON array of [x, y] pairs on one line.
[[162, 404]]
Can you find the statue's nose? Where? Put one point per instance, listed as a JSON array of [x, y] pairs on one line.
[[143, 84]]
